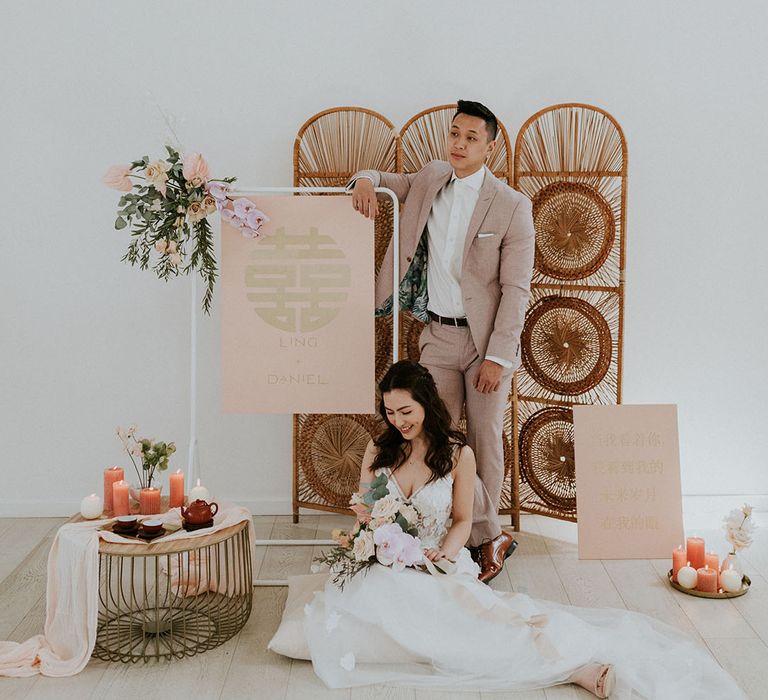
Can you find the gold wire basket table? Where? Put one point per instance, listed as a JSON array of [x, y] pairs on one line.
[[173, 599]]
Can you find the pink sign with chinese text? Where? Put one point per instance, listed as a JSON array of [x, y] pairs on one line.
[[297, 321], [627, 481]]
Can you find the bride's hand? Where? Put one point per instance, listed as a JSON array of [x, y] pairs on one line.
[[434, 554]]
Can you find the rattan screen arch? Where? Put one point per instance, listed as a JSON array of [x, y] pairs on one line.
[[328, 448], [571, 160]]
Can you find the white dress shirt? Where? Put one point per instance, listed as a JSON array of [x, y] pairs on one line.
[[447, 229]]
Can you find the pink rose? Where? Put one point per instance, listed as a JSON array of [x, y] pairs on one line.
[[117, 178], [195, 169], [360, 509], [195, 211]]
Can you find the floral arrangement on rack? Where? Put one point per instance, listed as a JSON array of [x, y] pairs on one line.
[[386, 533], [166, 204], [739, 528], [152, 455]]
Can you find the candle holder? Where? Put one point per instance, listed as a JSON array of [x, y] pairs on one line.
[[745, 584]]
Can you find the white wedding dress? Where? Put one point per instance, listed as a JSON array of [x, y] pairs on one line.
[[416, 629]]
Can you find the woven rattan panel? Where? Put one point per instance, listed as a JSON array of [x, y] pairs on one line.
[[571, 160], [328, 448]]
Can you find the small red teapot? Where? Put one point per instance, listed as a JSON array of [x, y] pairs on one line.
[[199, 512]]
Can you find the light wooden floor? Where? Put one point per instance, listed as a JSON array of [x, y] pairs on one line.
[[545, 565]]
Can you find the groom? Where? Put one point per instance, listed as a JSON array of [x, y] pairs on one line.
[[466, 257]]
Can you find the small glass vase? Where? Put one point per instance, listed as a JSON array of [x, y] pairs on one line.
[[732, 561]]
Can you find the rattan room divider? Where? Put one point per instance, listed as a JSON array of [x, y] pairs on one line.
[[571, 160]]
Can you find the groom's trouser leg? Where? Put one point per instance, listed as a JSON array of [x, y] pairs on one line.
[[449, 354], [485, 427]]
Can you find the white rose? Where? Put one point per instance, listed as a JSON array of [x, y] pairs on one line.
[[409, 513], [747, 510], [363, 548], [386, 507], [155, 174]]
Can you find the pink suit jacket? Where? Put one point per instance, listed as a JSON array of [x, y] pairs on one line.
[[498, 253]]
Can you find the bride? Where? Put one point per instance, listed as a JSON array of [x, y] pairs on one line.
[[415, 629]]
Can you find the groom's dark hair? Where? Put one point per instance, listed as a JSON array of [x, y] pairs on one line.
[[476, 109]]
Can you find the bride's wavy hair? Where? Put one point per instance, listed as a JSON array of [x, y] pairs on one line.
[[441, 438]]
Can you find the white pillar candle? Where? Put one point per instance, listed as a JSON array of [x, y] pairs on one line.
[[199, 493], [730, 580], [687, 576], [91, 507]]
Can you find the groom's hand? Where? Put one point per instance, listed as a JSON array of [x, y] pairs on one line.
[[364, 198], [488, 377]]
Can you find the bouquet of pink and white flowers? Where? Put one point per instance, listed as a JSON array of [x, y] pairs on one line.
[[166, 204], [386, 532]]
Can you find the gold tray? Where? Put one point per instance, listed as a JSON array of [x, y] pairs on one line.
[[169, 529], [745, 584]]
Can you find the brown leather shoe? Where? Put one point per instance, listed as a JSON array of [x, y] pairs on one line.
[[493, 554]]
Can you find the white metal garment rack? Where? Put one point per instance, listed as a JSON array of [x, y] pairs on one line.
[[192, 458]]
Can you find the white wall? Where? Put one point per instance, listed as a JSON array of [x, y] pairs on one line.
[[88, 343]]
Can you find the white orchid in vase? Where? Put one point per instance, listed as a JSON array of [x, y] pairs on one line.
[[739, 528]]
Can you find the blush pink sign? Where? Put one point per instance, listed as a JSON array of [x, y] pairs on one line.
[[627, 481], [297, 321]]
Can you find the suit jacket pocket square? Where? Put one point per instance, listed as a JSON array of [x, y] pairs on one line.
[[485, 235]]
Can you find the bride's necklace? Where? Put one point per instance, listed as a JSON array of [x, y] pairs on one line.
[[411, 458]]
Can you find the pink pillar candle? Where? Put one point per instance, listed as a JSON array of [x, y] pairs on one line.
[[679, 559], [111, 475], [706, 580], [120, 498], [695, 548], [713, 562], [149, 501], [176, 497]]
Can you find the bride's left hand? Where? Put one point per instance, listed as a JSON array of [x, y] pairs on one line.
[[435, 554]]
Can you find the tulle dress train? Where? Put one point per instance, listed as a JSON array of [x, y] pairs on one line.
[[416, 629]]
